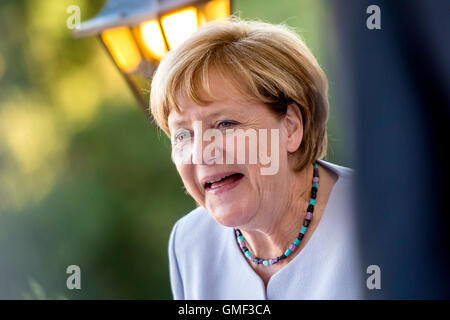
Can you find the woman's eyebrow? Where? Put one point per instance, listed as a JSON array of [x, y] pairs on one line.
[[214, 114], [179, 123]]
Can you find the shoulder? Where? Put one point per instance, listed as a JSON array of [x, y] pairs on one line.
[[344, 173], [344, 187], [194, 229], [197, 220]]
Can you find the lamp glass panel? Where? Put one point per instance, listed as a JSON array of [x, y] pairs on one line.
[[152, 40], [201, 17], [216, 9], [178, 26], [121, 45]]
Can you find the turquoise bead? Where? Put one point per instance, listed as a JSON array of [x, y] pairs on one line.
[[303, 230], [266, 263], [240, 239], [296, 242], [288, 252], [315, 165], [312, 201], [247, 254], [315, 184]]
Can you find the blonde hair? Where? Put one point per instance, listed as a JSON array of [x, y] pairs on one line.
[[266, 62]]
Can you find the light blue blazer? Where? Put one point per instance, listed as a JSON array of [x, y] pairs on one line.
[[206, 261]]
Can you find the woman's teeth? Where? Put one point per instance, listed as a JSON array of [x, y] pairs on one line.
[[222, 181]]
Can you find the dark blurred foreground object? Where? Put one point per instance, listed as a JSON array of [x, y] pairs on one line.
[[399, 85]]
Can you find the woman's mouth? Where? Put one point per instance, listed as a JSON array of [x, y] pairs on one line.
[[222, 183]]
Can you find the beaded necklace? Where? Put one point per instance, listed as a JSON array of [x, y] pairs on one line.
[[296, 242]]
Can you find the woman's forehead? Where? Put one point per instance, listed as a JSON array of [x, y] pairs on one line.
[[220, 94], [188, 108], [212, 86], [229, 106]]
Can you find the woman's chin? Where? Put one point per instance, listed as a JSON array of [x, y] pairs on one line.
[[230, 216]]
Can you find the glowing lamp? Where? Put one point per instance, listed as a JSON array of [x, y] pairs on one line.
[[138, 33]]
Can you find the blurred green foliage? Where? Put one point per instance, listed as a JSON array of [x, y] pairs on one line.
[[84, 178]]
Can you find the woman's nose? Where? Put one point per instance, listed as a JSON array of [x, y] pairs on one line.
[[197, 149], [207, 146]]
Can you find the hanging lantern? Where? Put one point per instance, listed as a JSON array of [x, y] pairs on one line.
[[138, 33]]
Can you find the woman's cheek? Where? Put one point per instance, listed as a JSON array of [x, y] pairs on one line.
[[187, 175], [182, 153], [229, 150]]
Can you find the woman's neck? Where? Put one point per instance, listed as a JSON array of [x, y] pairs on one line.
[[278, 228]]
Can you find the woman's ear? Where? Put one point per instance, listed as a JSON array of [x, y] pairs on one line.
[[293, 122]]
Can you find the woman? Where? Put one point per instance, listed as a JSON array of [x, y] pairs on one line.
[[245, 106]]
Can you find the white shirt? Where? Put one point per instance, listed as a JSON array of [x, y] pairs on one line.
[[207, 263]]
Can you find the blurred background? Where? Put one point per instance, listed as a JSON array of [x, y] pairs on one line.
[[84, 177], [86, 180]]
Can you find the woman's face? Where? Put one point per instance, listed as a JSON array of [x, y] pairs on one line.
[[210, 162]]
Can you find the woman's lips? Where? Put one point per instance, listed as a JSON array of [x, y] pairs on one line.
[[226, 183]]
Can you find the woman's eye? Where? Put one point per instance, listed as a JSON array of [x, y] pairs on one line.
[[182, 136], [225, 124]]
